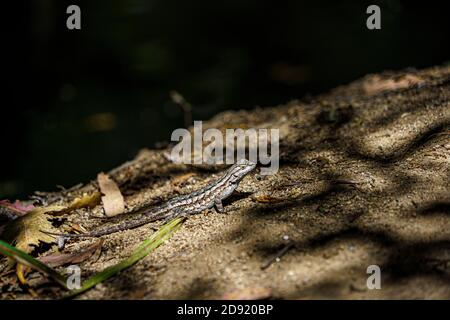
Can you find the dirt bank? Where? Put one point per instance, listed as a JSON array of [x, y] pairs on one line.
[[364, 179]]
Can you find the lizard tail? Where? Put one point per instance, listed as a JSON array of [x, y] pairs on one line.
[[108, 230]]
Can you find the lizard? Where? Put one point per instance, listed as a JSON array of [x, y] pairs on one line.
[[205, 198]]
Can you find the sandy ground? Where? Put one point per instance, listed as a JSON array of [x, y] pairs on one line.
[[363, 180]]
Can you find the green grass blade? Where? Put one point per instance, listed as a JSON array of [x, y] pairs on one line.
[[140, 252], [26, 259]]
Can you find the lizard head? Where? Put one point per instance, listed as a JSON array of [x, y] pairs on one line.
[[240, 169]]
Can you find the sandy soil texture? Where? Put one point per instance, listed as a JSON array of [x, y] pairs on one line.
[[364, 179]]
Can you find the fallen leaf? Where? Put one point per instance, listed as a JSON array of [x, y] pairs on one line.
[[113, 202], [18, 207], [251, 293], [10, 211], [26, 232], [267, 199], [86, 201], [23, 258], [21, 271], [59, 259]]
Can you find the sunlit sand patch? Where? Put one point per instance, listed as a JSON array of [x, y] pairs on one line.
[[397, 137]]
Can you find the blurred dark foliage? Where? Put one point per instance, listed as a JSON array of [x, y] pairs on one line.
[[79, 102]]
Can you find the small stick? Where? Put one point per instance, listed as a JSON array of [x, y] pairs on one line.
[[178, 99], [276, 256]]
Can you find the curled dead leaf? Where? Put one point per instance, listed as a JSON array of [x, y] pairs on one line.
[[113, 202], [85, 201], [18, 207], [59, 259], [26, 232], [21, 272]]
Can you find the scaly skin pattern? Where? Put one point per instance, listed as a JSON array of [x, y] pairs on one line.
[[185, 205]]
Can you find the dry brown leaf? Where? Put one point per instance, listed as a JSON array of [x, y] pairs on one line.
[[10, 211], [113, 202], [18, 207], [26, 232], [59, 259], [21, 271], [86, 201], [267, 199], [251, 293]]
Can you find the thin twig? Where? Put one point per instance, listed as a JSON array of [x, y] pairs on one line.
[[276, 256], [178, 99]]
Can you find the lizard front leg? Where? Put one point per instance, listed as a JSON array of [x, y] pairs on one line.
[[218, 205]]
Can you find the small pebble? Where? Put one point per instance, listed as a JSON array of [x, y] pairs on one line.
[[61, 242]]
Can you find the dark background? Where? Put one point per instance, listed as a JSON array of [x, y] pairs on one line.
[[82, 101]]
